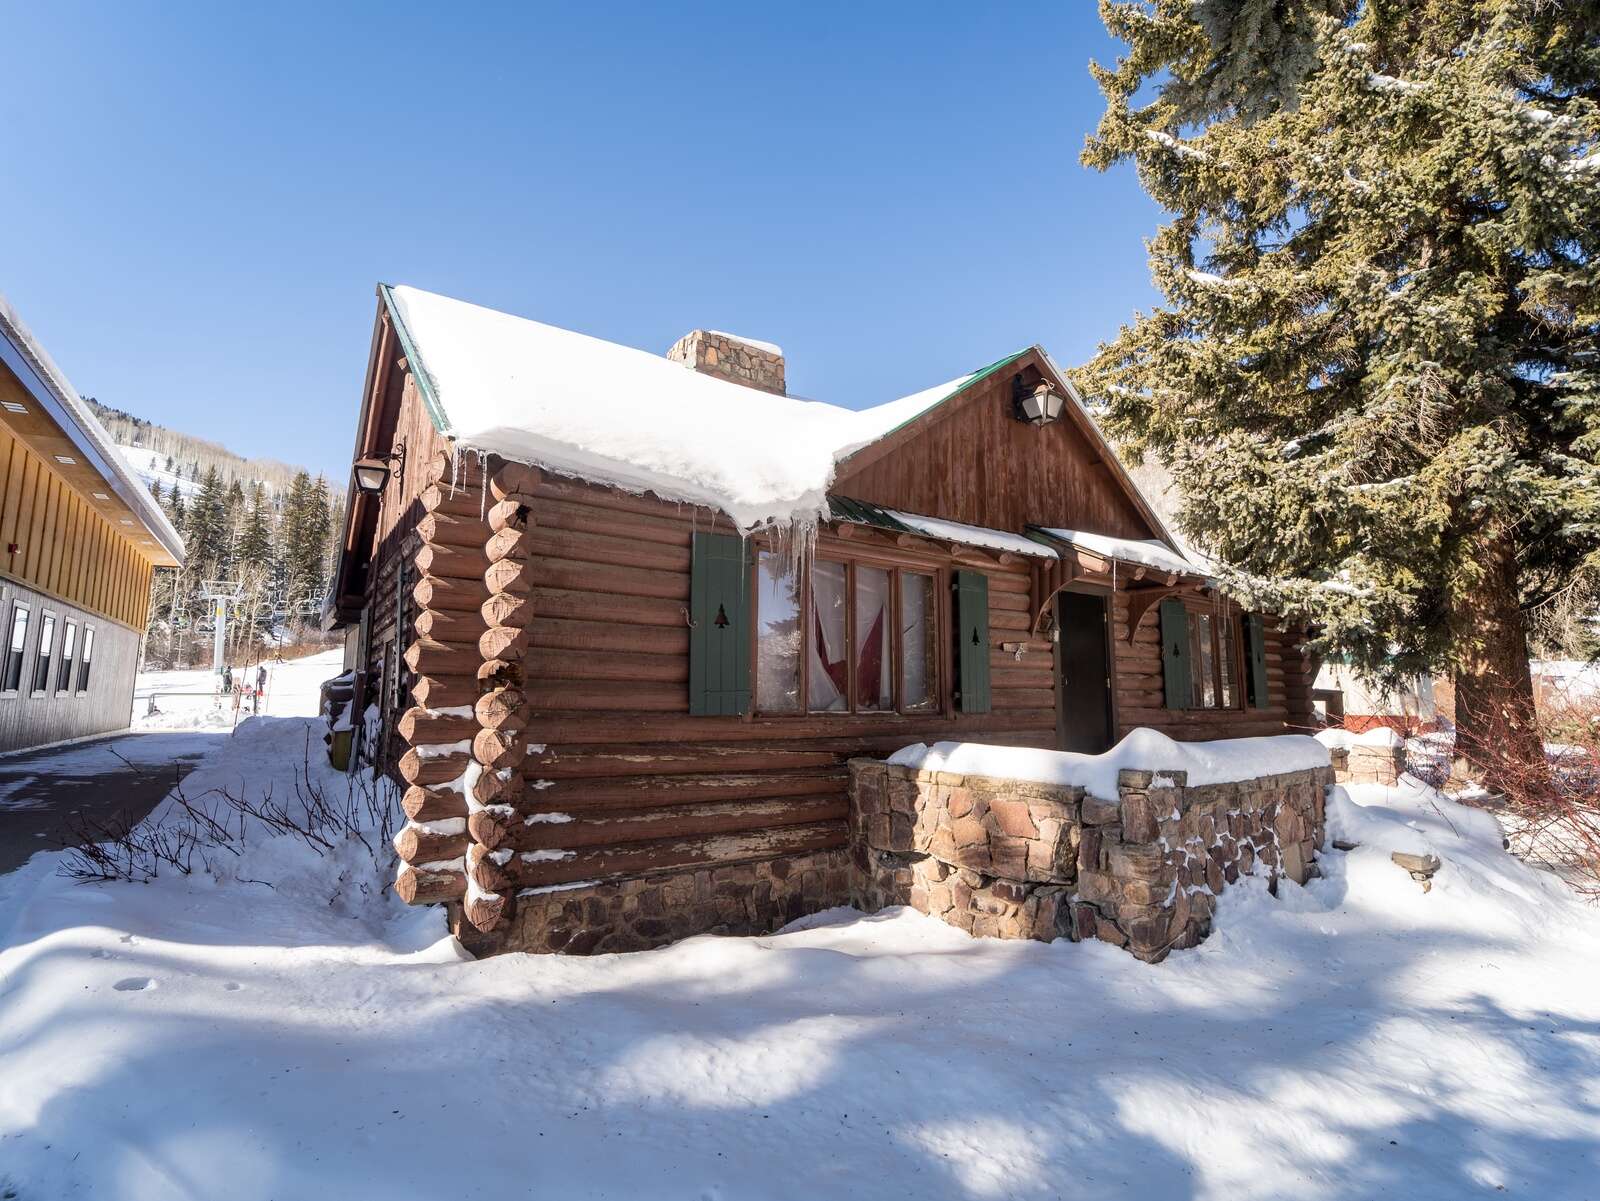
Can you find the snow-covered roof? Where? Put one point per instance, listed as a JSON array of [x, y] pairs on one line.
[[69, 411], [1146, 552], [615, 415], [973, 535]]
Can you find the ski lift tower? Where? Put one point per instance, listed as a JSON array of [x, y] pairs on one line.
[[220, 593]]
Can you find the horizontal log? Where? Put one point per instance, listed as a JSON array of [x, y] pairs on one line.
[[425, 727], [506, 477], [502, 642], [1009, 602], [670, 853], [425, 804], [420, 844], [457, 595], [445, 625], [1022, 698], [558, 633], [507, 576], [444, 529], [654, 791], [636, 610], [451, 562], [586, 520], [568, 763], [416, 768], [485, 910], [586, 695], [506, 609], [445, 692], [510, 543], [417, 887], [502, 748], [647, 505], [589, 547], [618, 828], [466, 503], [430, 658], [857, 734], [543, 665], [498, 708], [508, 515], [610, 579]]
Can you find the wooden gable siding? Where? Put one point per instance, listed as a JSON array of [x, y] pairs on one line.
[[64, 547], [972, 461], [611, 743]]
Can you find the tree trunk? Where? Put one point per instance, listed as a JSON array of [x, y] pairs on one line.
[[1498, 743]]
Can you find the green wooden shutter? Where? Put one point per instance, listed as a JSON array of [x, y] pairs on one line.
[[1175, 653], [1255, 649], [972, 641], [719, 636]]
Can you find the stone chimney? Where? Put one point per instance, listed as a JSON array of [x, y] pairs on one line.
[[739, 360]]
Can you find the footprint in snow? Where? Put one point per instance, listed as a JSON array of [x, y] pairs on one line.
[[134, 984], [232, 986], [101, 953]]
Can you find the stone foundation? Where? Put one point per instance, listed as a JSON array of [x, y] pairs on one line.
[[1018, 859], [1358, 764], [650, 911]]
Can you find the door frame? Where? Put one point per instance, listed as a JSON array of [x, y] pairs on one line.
[[1113, 722]]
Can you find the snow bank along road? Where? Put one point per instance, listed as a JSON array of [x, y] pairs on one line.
[[209, 1037]]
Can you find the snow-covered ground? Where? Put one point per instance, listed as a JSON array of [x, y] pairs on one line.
[[205, 1038], [151, 467], [190, 699]]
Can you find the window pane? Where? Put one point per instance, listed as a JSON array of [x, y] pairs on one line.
[[874, 689], [41, 662], [777, 634], [19, 641], [828, 685], [918, 667], [88, 655], [1205, 691], [69, 643], [1225, 652]]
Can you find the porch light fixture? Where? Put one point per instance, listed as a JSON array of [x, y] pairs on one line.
[[1038, 405], [372, 473]]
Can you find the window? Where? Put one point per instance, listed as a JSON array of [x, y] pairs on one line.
[[69, 646], [41, 662], [1213, 647], [88, 656], [15, 647], [853, 637]]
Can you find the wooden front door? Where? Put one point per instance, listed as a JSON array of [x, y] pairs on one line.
[[1083, 706]]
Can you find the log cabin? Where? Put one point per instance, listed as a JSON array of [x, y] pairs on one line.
[[619, 620], [80, 539]]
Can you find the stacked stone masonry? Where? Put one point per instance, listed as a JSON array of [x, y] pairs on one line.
[[732, 359], [641, 912], [1019, 859], [1362, 764]]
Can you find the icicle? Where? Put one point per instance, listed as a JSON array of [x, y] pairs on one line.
[[483, 485]]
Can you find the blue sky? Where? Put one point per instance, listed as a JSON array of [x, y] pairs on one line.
[[195, 202]]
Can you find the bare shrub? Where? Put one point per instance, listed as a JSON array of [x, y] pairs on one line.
[[198, 833]]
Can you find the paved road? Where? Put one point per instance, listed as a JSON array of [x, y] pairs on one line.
[[43, 792]]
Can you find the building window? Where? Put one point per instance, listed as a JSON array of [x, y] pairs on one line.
[[41, 661], [88, 656], [69, 648], [15, 647], [855, 637], [1213, 651]]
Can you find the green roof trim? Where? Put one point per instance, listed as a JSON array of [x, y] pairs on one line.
[[430, 398], [861, 512]]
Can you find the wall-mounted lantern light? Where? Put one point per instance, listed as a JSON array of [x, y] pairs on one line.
[[1037, 405], [372, 473]]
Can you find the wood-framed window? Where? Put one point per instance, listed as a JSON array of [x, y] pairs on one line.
[[41, 660], [69, 651], [16, 647], [846, 635], [1201, 655], [87, 661]]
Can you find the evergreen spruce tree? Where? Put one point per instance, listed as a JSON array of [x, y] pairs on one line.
[[1376, 371], [255, 534], [205, 535]]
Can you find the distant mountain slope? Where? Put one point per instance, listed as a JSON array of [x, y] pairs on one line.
[[169, 456]]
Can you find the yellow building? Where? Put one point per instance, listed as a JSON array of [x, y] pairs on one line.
[[80, 537]]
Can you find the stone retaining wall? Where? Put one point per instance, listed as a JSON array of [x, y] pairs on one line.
[[1019, 859], [641, 912], [1359, 764]]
